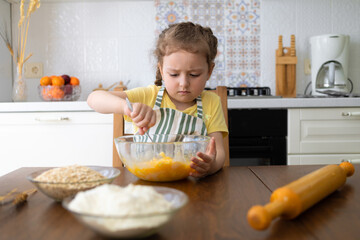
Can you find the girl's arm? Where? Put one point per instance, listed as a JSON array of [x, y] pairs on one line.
[[211, 161], [142, 115], [107, 102]]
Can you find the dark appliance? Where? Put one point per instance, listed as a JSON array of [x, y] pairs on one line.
[[256, 136]]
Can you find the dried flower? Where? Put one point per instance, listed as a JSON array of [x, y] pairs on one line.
[[23, 28], [15, 197]]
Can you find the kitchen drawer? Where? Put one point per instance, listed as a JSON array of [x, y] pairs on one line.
[[55, 139], [320, 159], [326, 130]]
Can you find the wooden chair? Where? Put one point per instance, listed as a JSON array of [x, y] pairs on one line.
[[119, 125]]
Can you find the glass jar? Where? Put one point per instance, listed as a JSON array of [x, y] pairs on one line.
[[19, 87]]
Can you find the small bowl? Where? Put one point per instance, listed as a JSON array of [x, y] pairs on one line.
[[165, 159], [130, 226], [59, 93], [58, 190]]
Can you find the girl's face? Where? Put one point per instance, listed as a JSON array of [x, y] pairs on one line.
[[185, 75]]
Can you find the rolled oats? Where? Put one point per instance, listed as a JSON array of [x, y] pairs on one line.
[[66, 181]]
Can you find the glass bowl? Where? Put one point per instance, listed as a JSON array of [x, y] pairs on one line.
[[60, 190], [59, 93], [129, 226], [167, 158]]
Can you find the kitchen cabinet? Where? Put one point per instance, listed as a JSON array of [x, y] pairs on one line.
[[323, 135], [30, 139]]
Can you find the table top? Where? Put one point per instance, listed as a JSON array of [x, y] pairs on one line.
[[217, 208]]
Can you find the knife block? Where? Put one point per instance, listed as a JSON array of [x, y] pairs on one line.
[[286, 61]]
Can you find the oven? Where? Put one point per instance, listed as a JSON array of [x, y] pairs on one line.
[[257, 136]]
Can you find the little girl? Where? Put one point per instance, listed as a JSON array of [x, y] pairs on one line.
[[185, 53]]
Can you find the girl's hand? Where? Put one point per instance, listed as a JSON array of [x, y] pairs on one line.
[[203, 164], [143, 116]]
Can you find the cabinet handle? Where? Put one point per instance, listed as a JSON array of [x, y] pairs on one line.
[[349, 114], [54, 119]]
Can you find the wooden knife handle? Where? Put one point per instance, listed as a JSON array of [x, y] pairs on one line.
[[292, 199]]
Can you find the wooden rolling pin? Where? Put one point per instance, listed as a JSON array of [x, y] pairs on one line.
[[291, 200]]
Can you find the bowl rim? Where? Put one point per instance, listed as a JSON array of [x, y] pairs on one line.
[[31, 177], [205, 139], [66, 201]]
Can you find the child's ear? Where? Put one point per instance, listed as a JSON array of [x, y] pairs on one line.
[[211, 69]]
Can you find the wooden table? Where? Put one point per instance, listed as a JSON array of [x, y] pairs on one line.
[[217, 208]]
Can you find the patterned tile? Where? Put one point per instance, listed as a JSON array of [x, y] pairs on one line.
[[209, 13], [242, 17], [170, 12], [236, 24]]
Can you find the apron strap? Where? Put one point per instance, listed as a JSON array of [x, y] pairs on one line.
[[160, 95], [159, 98], [199, 107]]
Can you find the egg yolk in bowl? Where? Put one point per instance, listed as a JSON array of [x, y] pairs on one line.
[[163, 169]]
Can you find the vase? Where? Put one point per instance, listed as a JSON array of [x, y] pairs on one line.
[[19, 87]]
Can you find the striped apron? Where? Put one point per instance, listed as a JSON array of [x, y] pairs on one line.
[[171, 121]]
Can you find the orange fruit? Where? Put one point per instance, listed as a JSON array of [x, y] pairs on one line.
[[57, 93], [57, 81], [44, 81], [74, 81], [46, 93]]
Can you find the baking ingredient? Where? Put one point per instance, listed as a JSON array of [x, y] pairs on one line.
[[294, 198], [120, 206], [161, 169], [65, 181], [69, 174]]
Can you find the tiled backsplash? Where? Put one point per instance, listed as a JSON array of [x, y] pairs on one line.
[[108, 41]]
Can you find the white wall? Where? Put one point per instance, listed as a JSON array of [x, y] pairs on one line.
[[115, 43], [5, 59], [97, 41], [307, 18]]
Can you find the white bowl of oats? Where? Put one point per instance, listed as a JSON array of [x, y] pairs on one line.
[[62, 182]]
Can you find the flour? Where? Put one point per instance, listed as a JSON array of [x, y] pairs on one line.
[[113, 201]]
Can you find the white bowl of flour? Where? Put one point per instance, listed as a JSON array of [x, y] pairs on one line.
[[124, 212]]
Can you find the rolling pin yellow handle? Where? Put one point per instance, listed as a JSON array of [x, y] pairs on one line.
[[283, 202], [259, 217], [348, 168]]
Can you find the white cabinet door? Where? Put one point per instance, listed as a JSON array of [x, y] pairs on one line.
[[324, 131], [55, 139]]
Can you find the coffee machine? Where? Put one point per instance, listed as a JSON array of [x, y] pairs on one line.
[[329, 64]]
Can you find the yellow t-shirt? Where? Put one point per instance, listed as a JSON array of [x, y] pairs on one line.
[[213, 114]]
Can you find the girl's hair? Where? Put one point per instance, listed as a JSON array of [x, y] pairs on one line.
[[185, 36]]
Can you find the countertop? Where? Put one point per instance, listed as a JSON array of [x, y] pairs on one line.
[[240, 102]]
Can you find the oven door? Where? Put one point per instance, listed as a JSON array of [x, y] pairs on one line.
[[257, 137]]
